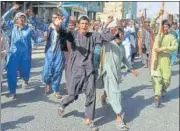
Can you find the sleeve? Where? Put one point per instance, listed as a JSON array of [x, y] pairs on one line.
[[153, 22], [6, 18], [67, 16], [172, 46], [37, 36], [37, 24], [104, 36]]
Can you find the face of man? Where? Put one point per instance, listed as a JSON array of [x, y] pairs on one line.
[[71, 26], [21, 20], [147, 23], [165, 29], [83, 26], [54, 17]]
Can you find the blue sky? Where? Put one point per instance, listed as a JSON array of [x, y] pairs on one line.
[[153, 7]]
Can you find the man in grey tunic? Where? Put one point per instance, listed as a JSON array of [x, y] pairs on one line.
[[80, 70], [114, 56]]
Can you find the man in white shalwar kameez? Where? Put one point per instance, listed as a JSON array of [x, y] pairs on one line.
[[114, 56]]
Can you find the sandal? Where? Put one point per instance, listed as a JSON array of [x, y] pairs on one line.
[[47, 89], [120, 124], [91, 125], [60, 111], [57, 95]]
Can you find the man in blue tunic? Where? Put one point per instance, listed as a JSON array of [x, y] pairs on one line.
[[19, 56], [54, 55]]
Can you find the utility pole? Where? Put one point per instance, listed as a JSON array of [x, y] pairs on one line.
[[145, 12]]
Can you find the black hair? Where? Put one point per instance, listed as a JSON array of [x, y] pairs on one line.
[[83, 18], [165, 22]]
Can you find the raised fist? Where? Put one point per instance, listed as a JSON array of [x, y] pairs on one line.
[[59, 5], [15, 7], [161, 12], [29, 12]]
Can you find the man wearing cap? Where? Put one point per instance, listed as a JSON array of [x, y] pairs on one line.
[[81, 74], [161, 76], [114, 56], [19, 57], [54, 55]]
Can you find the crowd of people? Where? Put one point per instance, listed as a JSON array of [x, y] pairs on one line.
[[88, 50]]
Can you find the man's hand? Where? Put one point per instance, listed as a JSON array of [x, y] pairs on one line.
[[136, 73], [29, 12], [15, 7], [160, 49], [161, 12], [59, 5]]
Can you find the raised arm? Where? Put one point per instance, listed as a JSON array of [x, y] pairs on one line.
[[67, 16], [106, 34], [6, 16], [34, 22]]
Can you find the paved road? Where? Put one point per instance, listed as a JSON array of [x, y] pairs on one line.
[[34, 111]]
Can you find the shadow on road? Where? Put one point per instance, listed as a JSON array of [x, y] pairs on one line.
[[134, 106], [37, 94], [14, 124]]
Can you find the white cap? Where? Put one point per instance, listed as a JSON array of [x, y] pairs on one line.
[[18, 15], [82, 16]]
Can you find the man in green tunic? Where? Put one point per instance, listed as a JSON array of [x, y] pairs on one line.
[[162, 75], [114, 56]]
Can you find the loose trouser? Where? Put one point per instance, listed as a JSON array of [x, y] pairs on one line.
[[81, 80], [128, 52], [160, 84], [53, 70], [114, 97], [96, 59], [20, 60]]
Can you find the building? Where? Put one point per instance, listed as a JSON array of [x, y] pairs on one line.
[[111, 9], [129, 10], [44, 9], [75, 8], [120, 10]]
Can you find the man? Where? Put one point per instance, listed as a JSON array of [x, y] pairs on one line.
[[173, 31], [161, 76], [114, 55], [4, 48], [54, 55], [81, 74], [145, 45], [19, 57]]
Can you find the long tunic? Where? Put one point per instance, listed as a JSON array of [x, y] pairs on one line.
[[163, 68], [114, 56], [54, 55], [19, 55], [81, 58]]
